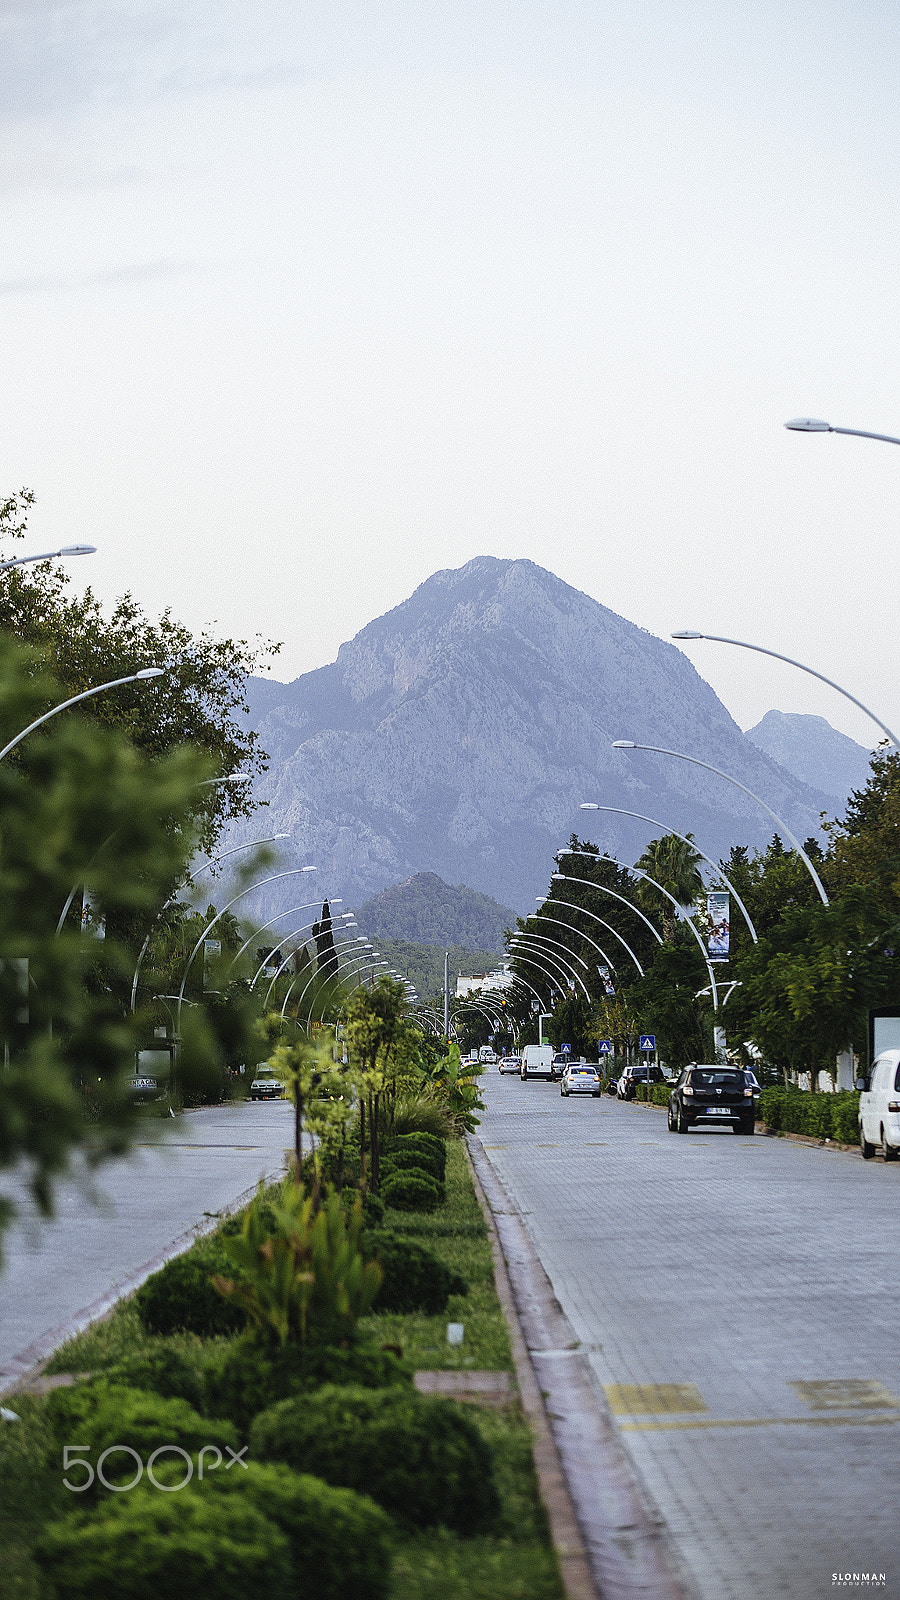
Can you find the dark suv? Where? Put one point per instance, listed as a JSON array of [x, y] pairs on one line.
[[711, 1094]]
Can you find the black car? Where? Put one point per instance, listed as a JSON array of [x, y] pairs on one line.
[[713, 1095]]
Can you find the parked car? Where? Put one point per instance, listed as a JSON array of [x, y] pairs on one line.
[[266, 1084], [715, 1095], [580, 1078], [509, 1064], [879, 1107], [537, 1061], [632, 1076]]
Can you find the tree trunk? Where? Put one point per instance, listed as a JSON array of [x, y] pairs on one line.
[[298, 1133], [362, 1145]]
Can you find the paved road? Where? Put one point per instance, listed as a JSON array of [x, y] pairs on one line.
[[739, 1301], [53, 1271]]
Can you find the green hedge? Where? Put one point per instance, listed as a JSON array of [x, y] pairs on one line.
[[656, 1093], [244, 1377], [414, 1279], [411, 1191], [180, 1297], [821, 1116], [422, 1459]]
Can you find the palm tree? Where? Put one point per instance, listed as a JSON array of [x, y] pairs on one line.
[[674, 865]]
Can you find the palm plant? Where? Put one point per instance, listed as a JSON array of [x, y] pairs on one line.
[[674, 864]]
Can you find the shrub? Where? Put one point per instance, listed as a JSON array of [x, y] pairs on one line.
[[414, 1278], [341, 1542], [249, 1377], [433, 1151], [390, 1171], [181, 1298], [163, 1368], [821, 1116], [306, 1278], [373, 1210], [401, 1159], [99, 1416], [411, 1191], [148, 1544], [422, 1459]]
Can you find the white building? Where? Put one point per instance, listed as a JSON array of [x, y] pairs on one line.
[[481, 982]]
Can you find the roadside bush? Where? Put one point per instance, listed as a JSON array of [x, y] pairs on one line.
[[411, 1191], [422, 1459], [414, 1278], [390, 1170], [162, 1367], [181, 1298], [656, 1094], [100, 1416], [147, 1544], [341, 1542], [432, 1151], [820, 1116], [248, 1377]]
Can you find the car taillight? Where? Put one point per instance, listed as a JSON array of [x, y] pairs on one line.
[[894, 1105]]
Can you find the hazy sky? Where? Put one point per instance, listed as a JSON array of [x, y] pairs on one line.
[[305, 299]]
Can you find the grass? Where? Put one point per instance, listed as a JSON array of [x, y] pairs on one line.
[[458, 1235], [516, 1563]]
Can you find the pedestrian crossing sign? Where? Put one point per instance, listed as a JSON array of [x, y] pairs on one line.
[[604, 1047], [648, 1041]]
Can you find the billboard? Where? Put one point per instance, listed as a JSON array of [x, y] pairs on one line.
[[718, 911]]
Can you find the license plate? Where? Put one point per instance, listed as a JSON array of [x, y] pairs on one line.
[[718, 1111]]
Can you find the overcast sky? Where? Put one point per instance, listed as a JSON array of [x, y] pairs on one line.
[[305, 299]]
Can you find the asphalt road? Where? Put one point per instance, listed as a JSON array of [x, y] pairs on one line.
[[55, 1272], [738, 1299]]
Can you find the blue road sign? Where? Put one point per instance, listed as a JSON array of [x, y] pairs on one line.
[[565, 1049], [604, 1047], [648, 1041]]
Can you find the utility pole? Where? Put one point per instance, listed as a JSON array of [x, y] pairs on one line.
[[446, 994]]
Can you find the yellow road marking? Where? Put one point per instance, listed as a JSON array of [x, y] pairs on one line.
[[637, 1399], [842, 1394], [860, 1420]]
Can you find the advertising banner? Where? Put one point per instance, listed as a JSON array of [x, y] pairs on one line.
[[718, 910], [609, 987], [212, 949]]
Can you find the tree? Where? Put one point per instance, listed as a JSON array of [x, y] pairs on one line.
[[374, 1023], [201, 701], [82, 806], [674, 864]]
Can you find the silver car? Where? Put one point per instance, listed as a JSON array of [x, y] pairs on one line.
[[579, 1078], [266, 1084]]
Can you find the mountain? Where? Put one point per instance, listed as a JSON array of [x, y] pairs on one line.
[[814, 752], [458, 733], [426, 910]]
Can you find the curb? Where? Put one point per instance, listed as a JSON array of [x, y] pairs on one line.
[[22, 1369], [766, 1132], [610, 1545]]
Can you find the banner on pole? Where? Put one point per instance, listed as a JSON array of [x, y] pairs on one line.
[[609, 987], [212, 949], [718, 911]]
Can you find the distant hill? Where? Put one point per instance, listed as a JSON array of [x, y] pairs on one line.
[[423, 964], [426, 910], [458, 734], [814, 752]]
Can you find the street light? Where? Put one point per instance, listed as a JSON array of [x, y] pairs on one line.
[[628, 744], [535, 942], [537, 916], [589, 805], [51, 555], [816, 425], [260, 883], [552, 900], [99, 688], [716, 638]]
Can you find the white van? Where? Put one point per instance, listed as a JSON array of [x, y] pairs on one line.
[[537, 1061], [879, 1107]]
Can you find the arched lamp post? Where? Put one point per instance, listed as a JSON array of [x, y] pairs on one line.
[[589, 805], [743, 644], [537, 916], [145, 674], [628, 744], [260, 883], [548, 948], [51, 555], [570, 905], [816, 425]]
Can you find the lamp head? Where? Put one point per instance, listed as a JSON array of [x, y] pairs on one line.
[[809, 425], [302, 869], [687, 633], [78, 550], [589, 805], [624, 744], [150, 672]]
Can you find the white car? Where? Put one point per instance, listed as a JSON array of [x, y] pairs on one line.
[[266, 1084], [579, 1078], [509, 1064], [879, 1107]]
